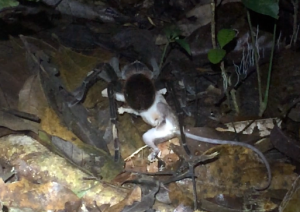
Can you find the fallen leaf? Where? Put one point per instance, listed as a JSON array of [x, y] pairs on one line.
[[134, 195], [35, 163], [38, 197], [291, 199]]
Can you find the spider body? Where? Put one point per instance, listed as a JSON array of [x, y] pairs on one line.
[[139, 92]]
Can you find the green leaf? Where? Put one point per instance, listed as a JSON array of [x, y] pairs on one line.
[[184, 45], [172, 32], [216, 55], [8, 3], [265, 7], [225, 36]]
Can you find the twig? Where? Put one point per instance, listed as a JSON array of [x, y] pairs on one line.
[[295, 31], [164, 54], [256, 60], [265, 103], [213, 24]]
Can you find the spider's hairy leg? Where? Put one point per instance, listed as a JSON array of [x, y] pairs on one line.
[[183, 98], [109, 74], [80, 91], [122, 110], [103, 71], [113, 118], [114, 62], [156, 70], [118, 96], [179, 114], [162, 91], [183, 140]]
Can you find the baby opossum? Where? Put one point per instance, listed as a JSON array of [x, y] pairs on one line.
[[143, 100]]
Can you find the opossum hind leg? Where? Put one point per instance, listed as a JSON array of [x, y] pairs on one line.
[[154, 136]]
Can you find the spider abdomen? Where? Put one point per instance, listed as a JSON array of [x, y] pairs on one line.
[[139, 92]]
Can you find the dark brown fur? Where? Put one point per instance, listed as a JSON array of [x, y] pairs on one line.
[[139, 92]]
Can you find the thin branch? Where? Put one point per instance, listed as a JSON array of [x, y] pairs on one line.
[[256, 58], [296, 5], [265, 103], [213, 24]]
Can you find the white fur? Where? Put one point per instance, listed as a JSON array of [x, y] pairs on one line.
[[154, 117], [153, 134], [118, 96]]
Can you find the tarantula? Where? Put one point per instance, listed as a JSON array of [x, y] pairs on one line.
[[141, 96], [144, 100]]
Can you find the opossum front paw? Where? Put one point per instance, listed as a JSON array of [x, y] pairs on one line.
[[104, 93], [121, 110], [159, 121]]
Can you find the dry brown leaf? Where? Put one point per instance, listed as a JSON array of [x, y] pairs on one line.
[[170, 159], [14, 72], [86, 10], [72, 147], [263, 125], [35, 163], [291, 200], [134, 195], [203, 14], [124, 176], [178, 196], [15, 123], [52, 125], [137, 165], [153, 167], [74, 66], [45, 196], [32, 98], [235, 171]]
